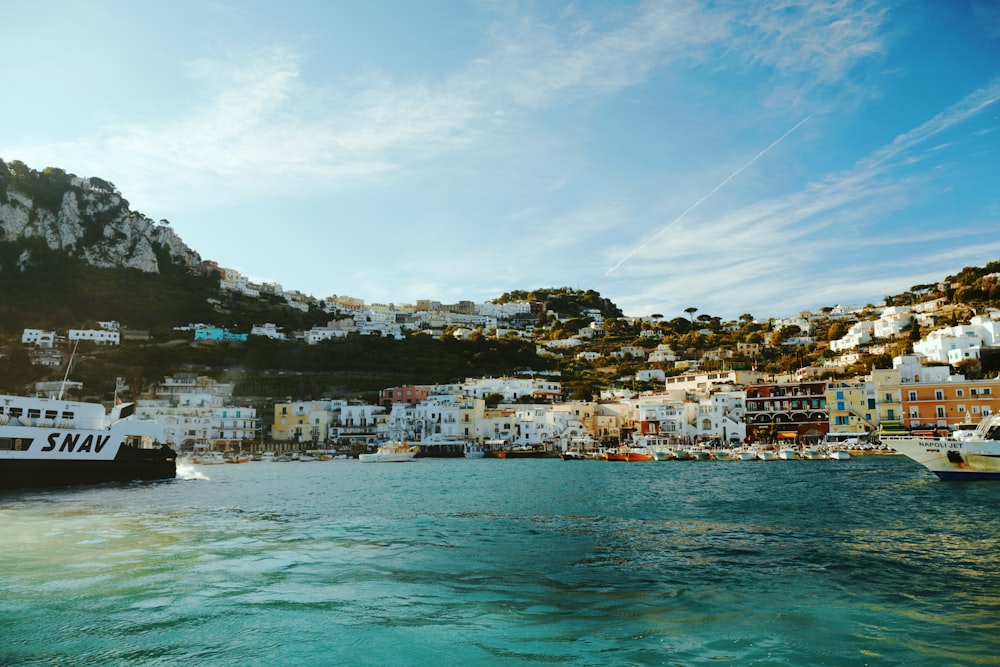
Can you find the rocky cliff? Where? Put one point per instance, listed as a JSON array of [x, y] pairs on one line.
[[84, 217]]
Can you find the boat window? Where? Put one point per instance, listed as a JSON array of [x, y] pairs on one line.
[[51, 414], [67, 415], [34, 413], [16, 412], [15, 444]]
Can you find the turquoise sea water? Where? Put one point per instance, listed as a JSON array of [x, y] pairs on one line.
[[507, 562]]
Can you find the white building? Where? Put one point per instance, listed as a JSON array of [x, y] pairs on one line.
[[219, 429], [953, 344], [38, 338], [514, 308], [720, 417], [627, 351], [804, 325], [268, 330], [512, 389], [892, 321], [99, 336], [662, 355], [859, 334], [317, 334]]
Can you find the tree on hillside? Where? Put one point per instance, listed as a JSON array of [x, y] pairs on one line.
[[836, 331]]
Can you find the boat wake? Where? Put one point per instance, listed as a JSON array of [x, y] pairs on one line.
[[188, 471]]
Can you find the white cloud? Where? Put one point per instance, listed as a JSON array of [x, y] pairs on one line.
[[824, 224]]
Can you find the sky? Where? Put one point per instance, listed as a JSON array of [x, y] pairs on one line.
[[732, 156]]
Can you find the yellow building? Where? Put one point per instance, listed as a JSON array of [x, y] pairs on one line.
[[888, 397], [305, 422], [853, 408]]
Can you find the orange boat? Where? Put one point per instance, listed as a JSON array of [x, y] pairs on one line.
[[639, 454], [616, 454]]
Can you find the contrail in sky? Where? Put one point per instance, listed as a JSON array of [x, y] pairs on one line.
[[712, 192]]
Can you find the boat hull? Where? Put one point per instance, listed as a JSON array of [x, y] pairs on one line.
[[129, 465], [531, 454], [952, 459], [401, 457]]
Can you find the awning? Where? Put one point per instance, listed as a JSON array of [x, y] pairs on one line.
[[788, 434]]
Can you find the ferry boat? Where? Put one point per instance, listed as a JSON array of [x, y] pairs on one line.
[[972, 454], [46, 442]]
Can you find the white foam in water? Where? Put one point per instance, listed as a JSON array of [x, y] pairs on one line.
[[188, 471]]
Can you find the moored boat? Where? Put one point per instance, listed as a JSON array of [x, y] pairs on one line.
[[208, 458], [530, 452], [638, 454], [682, 454], [616, 454], [959, 456], [839, 454], [48, 442], [573, 454], [787, 454], [393, 451]]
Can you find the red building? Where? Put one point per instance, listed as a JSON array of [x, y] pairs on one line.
[[410, 394], [794, 410]]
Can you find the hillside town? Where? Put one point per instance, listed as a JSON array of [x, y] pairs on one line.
[[670, 395]]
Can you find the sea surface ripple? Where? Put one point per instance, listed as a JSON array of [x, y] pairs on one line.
[[507, 562]]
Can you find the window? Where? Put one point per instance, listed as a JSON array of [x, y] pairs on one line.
[[975, 409], [959, 393], [986, 391], [940, 411], [938, 394], [961, 409], [912, 396]]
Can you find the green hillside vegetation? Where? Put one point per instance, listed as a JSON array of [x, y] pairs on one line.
[[47, 289], [52, 290]]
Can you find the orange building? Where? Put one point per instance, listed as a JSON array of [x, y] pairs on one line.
[[935, 404]]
